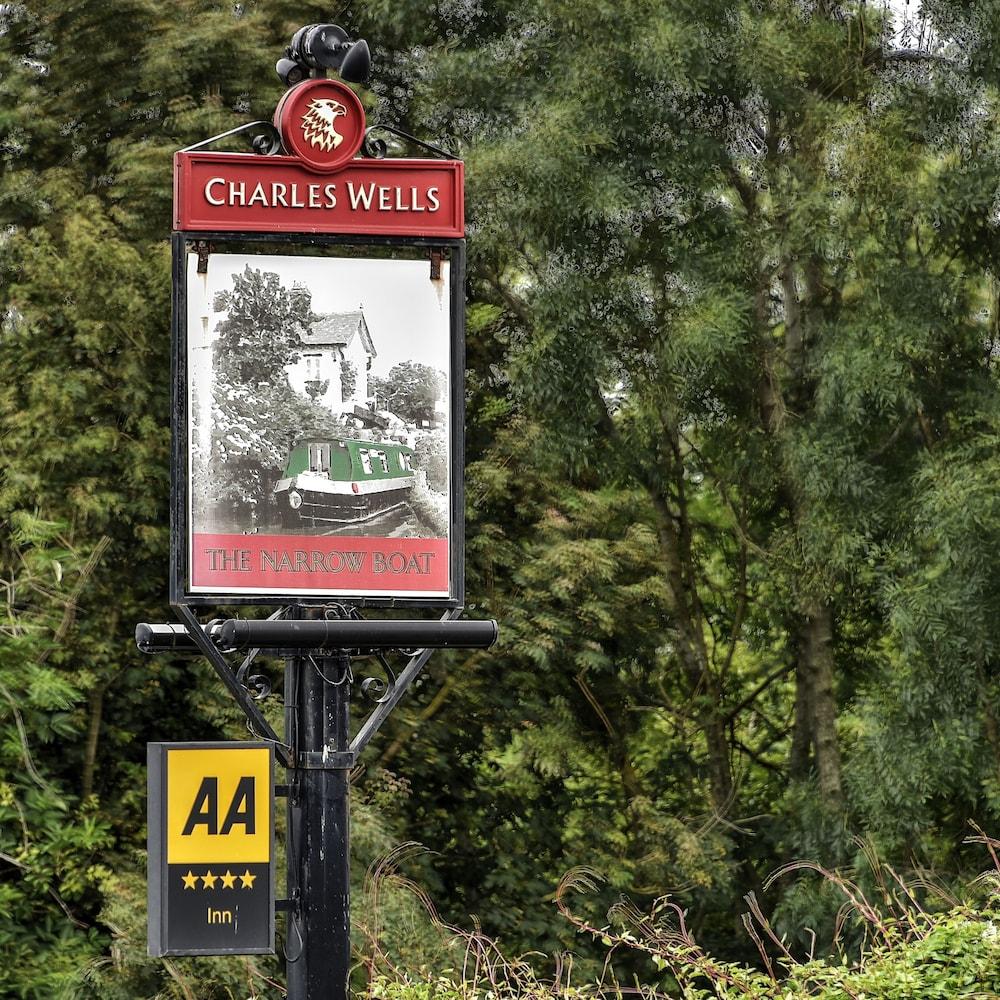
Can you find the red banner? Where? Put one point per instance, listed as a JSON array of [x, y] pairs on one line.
[[330, 564], [240, 192]]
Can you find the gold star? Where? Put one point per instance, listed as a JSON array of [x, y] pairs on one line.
[[228, 880], [247, 879], [208, 879], [190, 880]]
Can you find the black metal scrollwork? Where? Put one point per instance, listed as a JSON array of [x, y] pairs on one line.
[[377, 148], [265, 139], [377, 689], [336, 612], [373, 688], [259, 686]]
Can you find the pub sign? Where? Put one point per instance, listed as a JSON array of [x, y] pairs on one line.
[[318, 368]]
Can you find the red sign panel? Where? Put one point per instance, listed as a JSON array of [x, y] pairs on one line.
[[325, 564], [240, 192]]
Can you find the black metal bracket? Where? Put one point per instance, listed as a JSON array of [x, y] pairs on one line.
[[204, 250], [266, 141], [258, 724], [395, 693], [343, 629], [354, 635], [258, 684], [377, 148], [326, 760]]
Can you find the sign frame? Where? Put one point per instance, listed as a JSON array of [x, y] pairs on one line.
[[185, 242], [157, 810]]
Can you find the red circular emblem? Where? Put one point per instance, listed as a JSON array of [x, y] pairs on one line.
[[321, 122]]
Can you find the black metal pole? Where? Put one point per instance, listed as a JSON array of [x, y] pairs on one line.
[[318, 945], [338, 633]]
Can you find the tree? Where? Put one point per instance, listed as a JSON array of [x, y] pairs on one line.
[[257, 416], [348, 379], [732, 403], [411, 391], [93, 103], [744, 270], [259, 338]]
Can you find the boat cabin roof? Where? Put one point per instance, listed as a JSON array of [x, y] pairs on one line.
[[346, 442]]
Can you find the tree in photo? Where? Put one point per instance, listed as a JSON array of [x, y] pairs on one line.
[[256, 415], [411, 391], [432, 456], [260, 335]]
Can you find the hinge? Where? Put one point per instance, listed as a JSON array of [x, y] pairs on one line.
[[203, 249]]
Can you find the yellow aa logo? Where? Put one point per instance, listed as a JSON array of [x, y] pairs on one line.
[[219, 805]]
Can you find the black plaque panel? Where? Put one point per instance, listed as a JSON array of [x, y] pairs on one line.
[[219, 908]]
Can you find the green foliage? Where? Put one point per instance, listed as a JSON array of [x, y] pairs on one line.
[[53, 843], [93, 103], [734, 378], [952, 955], [733, 411], [411, 390], [909, 952], [257, 417]]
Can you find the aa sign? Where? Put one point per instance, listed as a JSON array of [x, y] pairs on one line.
[[217, 805], [211, 848]]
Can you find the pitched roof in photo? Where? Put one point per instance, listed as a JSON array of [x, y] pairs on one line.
[[338, 330]]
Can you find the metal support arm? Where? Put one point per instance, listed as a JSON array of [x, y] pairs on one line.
[[344, 634], [202, 640]]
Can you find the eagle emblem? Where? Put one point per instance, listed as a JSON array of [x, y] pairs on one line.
[[319, 123]]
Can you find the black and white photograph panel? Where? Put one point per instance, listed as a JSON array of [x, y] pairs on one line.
[[318, 396]]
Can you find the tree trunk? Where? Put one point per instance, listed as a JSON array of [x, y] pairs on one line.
[[693, 654], [801, 750], [95, 710], [990, 726], [686, 614], [817, 664], [631, 784], [815, 702], [720, 770]]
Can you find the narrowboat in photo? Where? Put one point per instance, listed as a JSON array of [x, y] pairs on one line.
[[343, 480]]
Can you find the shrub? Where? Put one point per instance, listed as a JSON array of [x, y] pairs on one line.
[[907, 952]]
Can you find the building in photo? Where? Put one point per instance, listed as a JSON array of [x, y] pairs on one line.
[[337, 354]]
